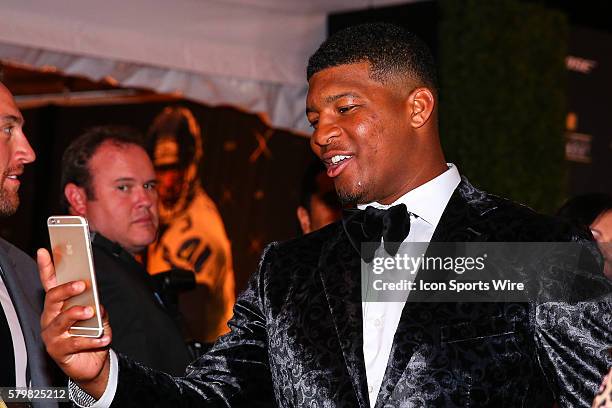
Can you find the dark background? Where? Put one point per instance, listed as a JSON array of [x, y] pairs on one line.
[[257, 199], [505, 92]]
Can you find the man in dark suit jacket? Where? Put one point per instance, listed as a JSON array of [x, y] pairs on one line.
[[23, 360], [302, 333], [108, 178]]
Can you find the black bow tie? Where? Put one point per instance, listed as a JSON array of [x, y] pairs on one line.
[[371, 224]]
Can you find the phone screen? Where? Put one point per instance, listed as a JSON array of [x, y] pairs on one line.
[[72, 257]]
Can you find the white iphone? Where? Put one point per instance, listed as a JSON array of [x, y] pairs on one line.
[[73, 259]]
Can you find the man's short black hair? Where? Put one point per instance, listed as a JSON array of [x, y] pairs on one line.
[[584, 209], [388, 48], [75, 161], [311, 186]]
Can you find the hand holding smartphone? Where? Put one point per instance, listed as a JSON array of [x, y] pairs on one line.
[[73, 260]]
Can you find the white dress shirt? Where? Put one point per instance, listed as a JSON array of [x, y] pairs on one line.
[[19, 347], [380, 319], [84, 400]]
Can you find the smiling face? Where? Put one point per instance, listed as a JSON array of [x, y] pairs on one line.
[[124, 203], [15, 152], [372, 135]]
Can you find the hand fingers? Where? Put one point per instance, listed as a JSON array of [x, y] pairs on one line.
[[62, 349], [56, 334], [54, 300], [60, 325], [45, 269], [58, 341], [106, 322], [77, 344]]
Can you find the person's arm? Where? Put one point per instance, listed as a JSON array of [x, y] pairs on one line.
[[573, 325], [85, 360], [84, 400], [573, 343], [234, 372]]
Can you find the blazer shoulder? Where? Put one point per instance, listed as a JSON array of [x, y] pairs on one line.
[[499, 219], [17, 256], [305, 249], [530, 225], [510, 221]]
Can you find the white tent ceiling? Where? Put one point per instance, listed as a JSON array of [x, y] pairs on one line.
[[248, 53]]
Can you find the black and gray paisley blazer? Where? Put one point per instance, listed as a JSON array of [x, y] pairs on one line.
[[296, 334]]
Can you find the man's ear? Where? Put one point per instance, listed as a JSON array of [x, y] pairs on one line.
[[77, 199], [304, 219], [422, 102]]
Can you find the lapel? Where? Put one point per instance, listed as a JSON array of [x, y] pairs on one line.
[[460, 222], [21, 278], [339, 268], [25, 309], [462, 219]]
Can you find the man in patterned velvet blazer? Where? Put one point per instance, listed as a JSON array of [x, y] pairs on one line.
[[302, 336]]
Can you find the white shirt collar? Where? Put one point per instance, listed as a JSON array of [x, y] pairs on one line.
[[428, 200]]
